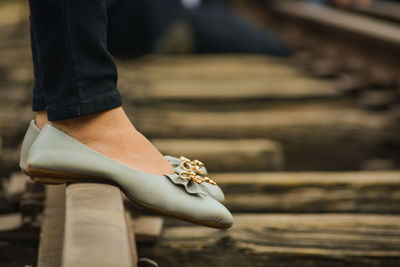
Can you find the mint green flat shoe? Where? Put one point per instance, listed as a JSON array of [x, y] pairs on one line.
[[209, 189], [30, 136], [56, 157]]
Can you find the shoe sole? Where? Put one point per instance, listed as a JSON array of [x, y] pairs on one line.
[[41, 176]]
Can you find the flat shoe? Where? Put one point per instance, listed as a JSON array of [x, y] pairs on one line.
[[56, 157], [33, 131]]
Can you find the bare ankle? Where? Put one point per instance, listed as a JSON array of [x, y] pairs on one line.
[[110, 119], [41, 119]]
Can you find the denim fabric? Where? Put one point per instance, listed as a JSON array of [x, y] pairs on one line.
[[75, 75], [135, 25]]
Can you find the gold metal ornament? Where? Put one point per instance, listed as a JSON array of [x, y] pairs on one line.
[[191, 171]]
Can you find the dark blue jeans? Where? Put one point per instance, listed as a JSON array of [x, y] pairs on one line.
[[75, 75]]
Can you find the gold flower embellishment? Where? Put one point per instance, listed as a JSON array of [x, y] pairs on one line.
[[191, 170]]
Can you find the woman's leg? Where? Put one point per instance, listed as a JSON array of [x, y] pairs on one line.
[[78, 76]]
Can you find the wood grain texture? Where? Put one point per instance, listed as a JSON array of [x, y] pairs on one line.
[[230, 89], [386, 10], [147, 228], [14, 188], [314, 136], [227, 155], [383, 31], [355, 192], [284, 240], [219, 79]]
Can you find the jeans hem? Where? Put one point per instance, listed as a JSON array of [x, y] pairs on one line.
[[83, 109], [38, 103]]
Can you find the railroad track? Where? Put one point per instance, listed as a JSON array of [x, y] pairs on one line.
[[351, 43], [292, 142], [340, 218], [386, 10]]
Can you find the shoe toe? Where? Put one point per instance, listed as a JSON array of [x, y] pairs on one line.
[[220, 214], [162, 195], [213, 191]]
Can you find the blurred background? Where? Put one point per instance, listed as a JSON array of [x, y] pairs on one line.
[[294, 107]]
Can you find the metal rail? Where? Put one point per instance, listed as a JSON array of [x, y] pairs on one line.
[[87, 224]]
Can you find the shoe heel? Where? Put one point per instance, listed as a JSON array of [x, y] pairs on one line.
[[54, 177], [39, 180], [47, 177]]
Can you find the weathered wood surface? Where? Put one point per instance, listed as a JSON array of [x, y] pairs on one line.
[[356, 192], [210, 63], [19, 240], [10, 221], [284, 240], [13, 123], [314, 137], [11, 13], [147, 228], [96, 233], [386, 10], [382, 31], [219, 78], [338, 34], [342, 137], [52, 230], [222, 90], [15, 186], [227, 155], [9, 161]]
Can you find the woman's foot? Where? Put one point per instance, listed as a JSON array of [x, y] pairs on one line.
[[33, 132], [112, 134], [57, 158]]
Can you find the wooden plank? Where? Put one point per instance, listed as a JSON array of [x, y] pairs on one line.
[[96, 233], [13, 122], [357, 192], [285, 240], [235, 88], [387, 10], [326, 30], [10, 221], [52, 230], [19, 239], [11, 13], [227, 155], [357, 24], [9, 161], [15, 186], [202, 62], [219, 78], [147, 228], [16, 229], [307, 132], [208, 66]]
